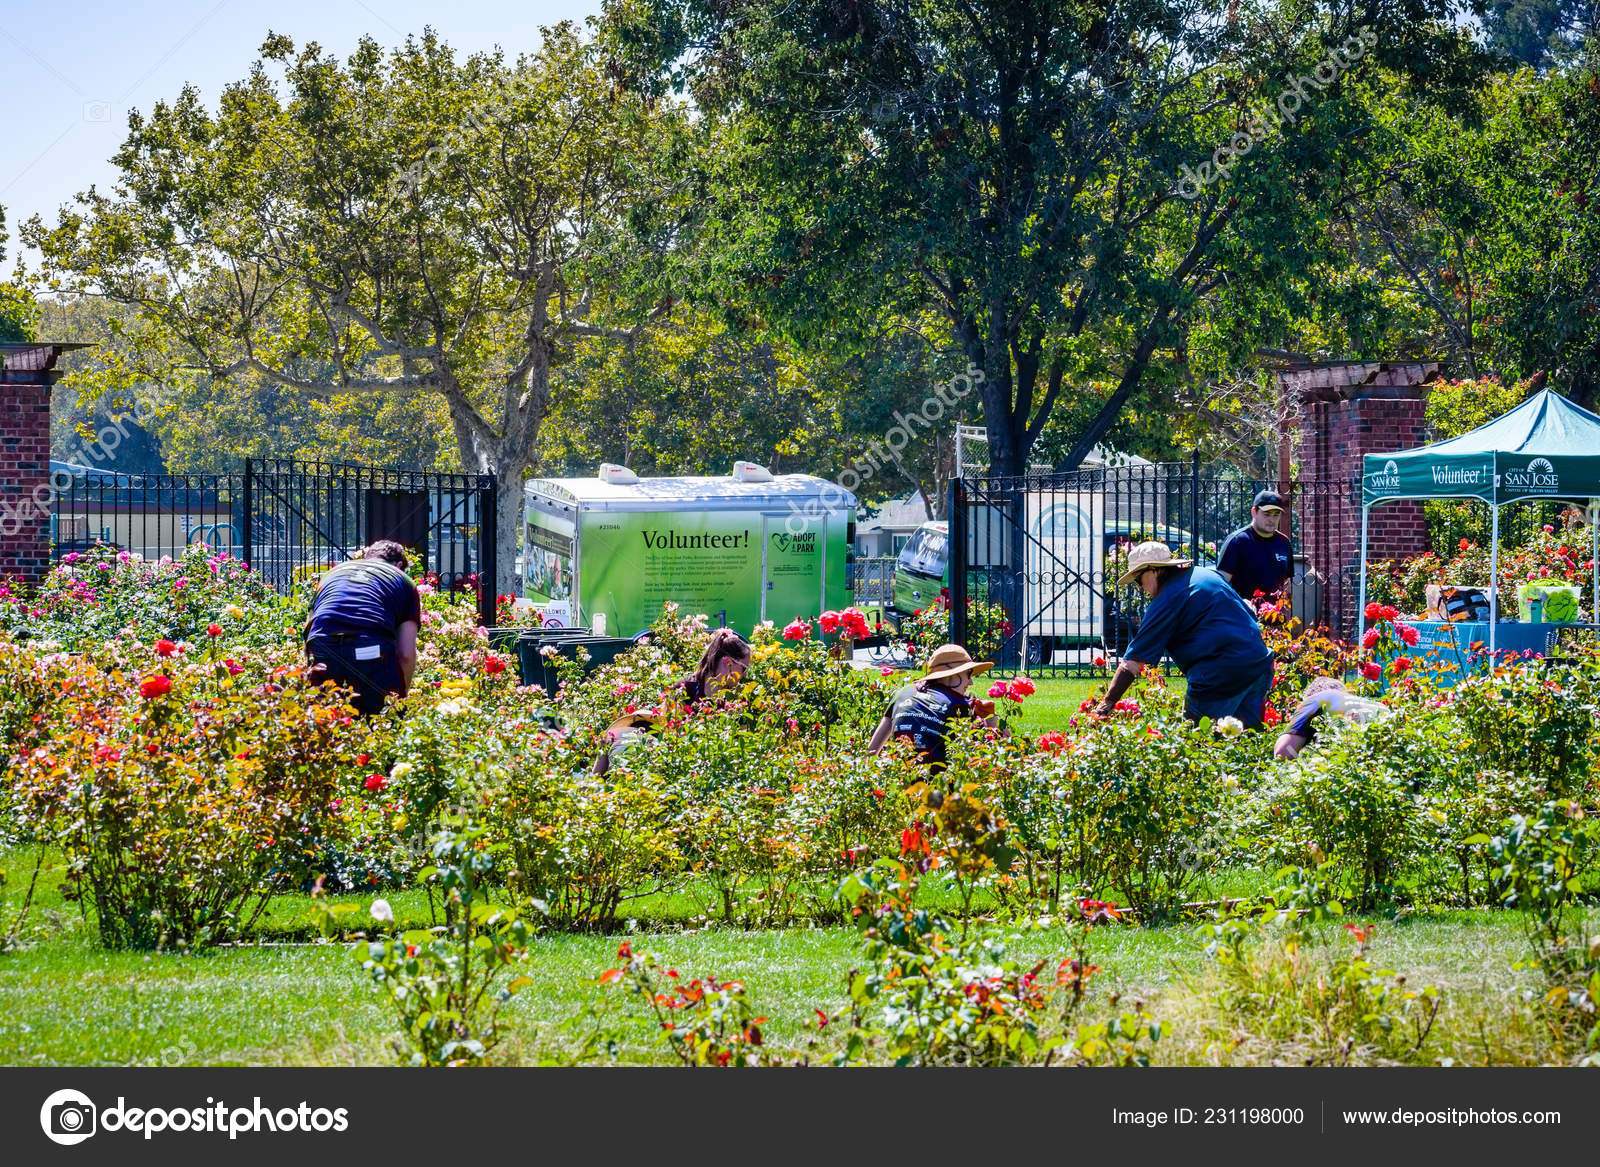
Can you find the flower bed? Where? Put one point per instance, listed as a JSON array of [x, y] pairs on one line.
[[756, 805]]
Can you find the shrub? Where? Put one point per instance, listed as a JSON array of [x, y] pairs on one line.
[[1351, 802], [1149, 789], [926, 999], [445, 982], [179, 813], [1525, 721], [580, 844]]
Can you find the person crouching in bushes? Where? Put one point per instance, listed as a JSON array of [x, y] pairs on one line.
[[624, 737], [1208, 630], [922, 712], [362, 631], [721, 669], [1324, 695]]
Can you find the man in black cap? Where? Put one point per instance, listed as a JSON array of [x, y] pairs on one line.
[[1258, 558]]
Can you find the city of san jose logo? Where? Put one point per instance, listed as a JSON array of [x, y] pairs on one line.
[[1537, 476], [1386, 479]]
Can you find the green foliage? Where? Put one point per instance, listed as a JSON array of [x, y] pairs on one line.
[[1541, 860], [446, 983], [925, 998], [1351, 803], [179, 802], [1527, 721], [1275, 973]]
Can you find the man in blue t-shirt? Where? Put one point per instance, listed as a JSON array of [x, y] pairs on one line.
[[1206, 628], [1257, 557], [363, 626]]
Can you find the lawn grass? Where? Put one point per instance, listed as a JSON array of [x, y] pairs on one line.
[[64, 1001]]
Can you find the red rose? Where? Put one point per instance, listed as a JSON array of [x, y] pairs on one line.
[[1020, 688], [1400, 665], [1052, 743], [213, 629], [376, 782], [165, 648], [493, 665], [796, 630], [155, 685], [1370, 670]]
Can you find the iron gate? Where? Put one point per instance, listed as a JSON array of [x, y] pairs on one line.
[[287, 519], [1034, 559], [302, 517]]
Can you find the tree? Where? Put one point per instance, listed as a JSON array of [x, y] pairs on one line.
[[1541, 32], [408, 224], [18, 312], [1030, 170]]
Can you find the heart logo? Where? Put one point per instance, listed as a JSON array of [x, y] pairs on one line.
[[782, 540]]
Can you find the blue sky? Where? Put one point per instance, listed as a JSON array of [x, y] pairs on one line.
[[72, 73]]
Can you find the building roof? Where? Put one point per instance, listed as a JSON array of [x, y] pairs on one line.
[[898, 514]]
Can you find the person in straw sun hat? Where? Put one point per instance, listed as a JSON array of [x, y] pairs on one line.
[[922, 712], [1208, 630]]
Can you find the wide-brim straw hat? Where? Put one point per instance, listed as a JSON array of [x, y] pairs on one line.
[[1147, 555], [951, 660], [639, 719]]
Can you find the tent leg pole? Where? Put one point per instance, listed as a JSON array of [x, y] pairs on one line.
[[1494, 577], [1361, 586]]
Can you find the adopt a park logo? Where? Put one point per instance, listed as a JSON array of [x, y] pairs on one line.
[[804, 543], [1537, 477]]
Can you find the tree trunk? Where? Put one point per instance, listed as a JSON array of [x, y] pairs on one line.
[[508, 515]]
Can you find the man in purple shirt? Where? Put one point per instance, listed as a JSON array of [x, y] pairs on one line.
[[363, 626]]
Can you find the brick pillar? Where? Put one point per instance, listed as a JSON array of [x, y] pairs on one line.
[[25, 379], [1336, 435]]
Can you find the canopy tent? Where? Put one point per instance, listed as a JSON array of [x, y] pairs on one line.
[[1545, 448]]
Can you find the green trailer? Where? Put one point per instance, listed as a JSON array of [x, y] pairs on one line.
[[741, 549]]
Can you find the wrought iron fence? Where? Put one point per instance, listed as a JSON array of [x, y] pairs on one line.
[[288, 519], [1044, 549], [872, 580]]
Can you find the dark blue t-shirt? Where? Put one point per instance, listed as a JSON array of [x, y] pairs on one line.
[[364, 596], [922, 714], [1256, 564], [1208, 631]]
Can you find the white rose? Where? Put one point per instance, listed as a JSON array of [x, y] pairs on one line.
[[381, 911], [1230, 727], [399, 771]]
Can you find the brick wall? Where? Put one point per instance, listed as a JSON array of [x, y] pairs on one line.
[[25, 467], [1336, 435]]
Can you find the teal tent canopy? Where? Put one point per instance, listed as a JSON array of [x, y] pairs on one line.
[[1546, 447]]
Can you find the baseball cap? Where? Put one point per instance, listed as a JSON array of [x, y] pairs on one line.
[[1267, 500]]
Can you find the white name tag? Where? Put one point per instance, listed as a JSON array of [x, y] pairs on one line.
[[369, 652]]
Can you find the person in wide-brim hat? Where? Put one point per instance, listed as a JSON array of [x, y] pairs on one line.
[[922, 712], [1196, 618], [1147, 556], [950, 660]]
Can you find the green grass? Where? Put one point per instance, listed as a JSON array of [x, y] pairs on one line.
[[64, 1001]]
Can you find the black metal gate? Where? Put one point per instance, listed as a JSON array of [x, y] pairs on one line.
[[287, 519], [303, 517], [1035, 558]]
